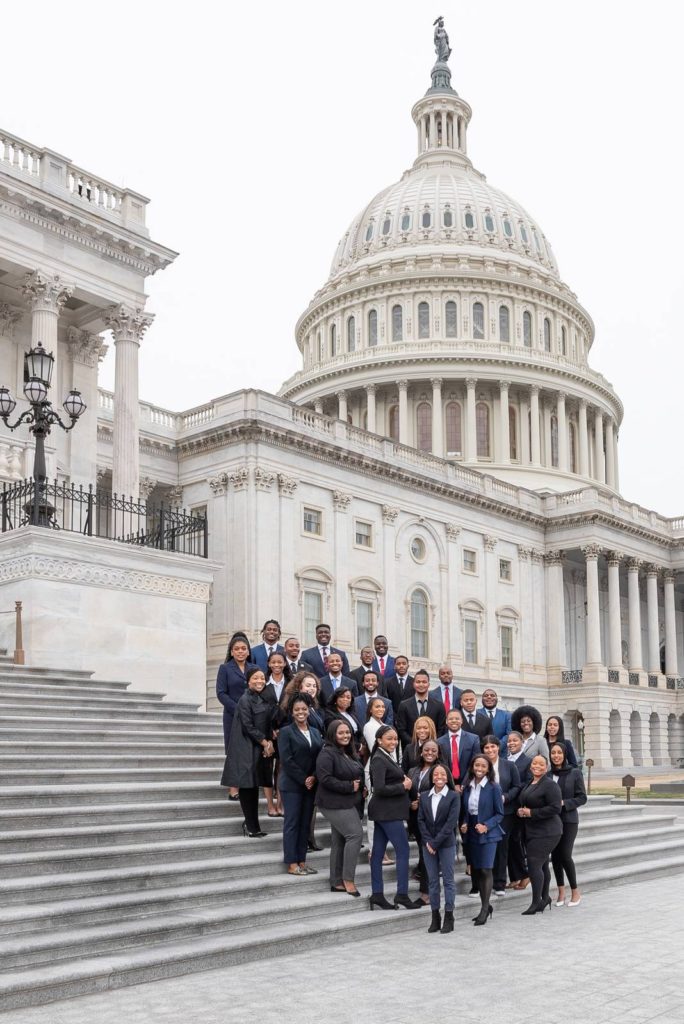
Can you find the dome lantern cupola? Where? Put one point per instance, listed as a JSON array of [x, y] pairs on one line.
[[441, 116]]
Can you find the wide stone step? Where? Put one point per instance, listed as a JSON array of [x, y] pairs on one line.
[[609, 839], [55, 689], [61, 702], [58, 674], [624, 854], [75, 776], [111, 814], [108, 747], [64, 726], [39, 984], [145, 792], [68, 762], [143, 710], [33, 734]]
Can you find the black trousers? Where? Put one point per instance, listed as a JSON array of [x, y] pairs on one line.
[[249, 802], [561, 858], [517, 861], [501, 856], [538, 851]]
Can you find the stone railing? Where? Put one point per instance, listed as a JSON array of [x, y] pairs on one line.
[[56, 174], [596, 497], [150, 414]]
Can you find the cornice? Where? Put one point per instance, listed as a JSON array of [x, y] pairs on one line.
[[593, 517]]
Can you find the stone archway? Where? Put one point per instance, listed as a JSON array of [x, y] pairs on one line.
[[673, 738], [615, 738], [654, 737], [635, 738]]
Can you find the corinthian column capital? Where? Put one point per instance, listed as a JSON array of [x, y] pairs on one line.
[[46, 291], [127, 324]]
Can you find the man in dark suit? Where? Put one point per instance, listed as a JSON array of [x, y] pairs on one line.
[[416, 706], [399, 686], [371, 690], [292, 653], [334, 678], [383, 663], [498, 720], [367, 657], [506, 774], [471, 722], [447, 691], [317, 656], [457, 744], [271, 635]]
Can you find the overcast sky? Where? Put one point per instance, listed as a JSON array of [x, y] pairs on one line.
[[260, 131]]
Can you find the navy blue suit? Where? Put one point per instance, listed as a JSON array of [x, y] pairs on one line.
[[510, 783], [482, 845], [312, 656], [389, 666], [522, 763], [454, 696], [500, 726], [468, 747], [260, 658], [297, 763], [440, 832], [361, 710], [231, 683]]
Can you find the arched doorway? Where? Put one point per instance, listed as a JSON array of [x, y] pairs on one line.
[[654, 737], [635, 738], [615, 738]]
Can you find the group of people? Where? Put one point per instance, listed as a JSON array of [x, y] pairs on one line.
[[431, 763]]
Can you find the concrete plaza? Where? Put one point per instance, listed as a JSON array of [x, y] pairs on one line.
[[616, 958]]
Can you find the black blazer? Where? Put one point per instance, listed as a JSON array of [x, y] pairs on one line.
[[544, 800], [408, 714], [573, 794], [336, 774], [439, 831], [396, 692], [312, 656], [297, 757], [523, 763], [390, 801], [331, 715], [327, 690], [419, 785], [510, 783], [357, 675], [481, 726]]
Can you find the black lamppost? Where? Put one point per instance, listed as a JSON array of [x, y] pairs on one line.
[[38, 367]]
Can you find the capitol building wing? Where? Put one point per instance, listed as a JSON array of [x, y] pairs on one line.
[[443, 468]]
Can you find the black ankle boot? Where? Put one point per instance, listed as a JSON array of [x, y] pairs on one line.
[[402, 899], [448, 925], [378, 900], [436, 922]]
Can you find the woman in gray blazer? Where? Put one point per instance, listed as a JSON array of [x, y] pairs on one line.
[[528, 722]]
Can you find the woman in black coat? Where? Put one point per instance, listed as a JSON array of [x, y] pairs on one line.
[[388, 808], [540, 808], [554, 732], [574, 795], [340, 792], [299, 746], [341, 709], [231, 683], [250, 753]]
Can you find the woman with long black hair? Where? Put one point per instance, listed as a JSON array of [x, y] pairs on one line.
[[231, 683], [540, 808], [249, 764], [299, 745], [340, 792], [482, 811], [554, 732], [573, 795]]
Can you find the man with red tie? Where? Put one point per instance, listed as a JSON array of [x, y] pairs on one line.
[[447, 692], [383, 663], [458, 747]]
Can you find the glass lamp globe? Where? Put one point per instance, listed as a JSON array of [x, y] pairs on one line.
[[35, 390], [39, 364], [74, 404], [7, 403]]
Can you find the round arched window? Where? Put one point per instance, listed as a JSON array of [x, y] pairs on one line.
[[418, 549]]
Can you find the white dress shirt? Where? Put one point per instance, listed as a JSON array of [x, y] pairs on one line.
[[495, 766], [435, 797], [474, 795]]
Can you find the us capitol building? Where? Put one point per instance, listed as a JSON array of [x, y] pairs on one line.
[[444, 467]]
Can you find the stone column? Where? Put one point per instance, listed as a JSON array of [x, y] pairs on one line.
[[454, 633], [616, 467], [524, 454], [610, 453], [393, 612], [635, 657], [652, 618], [504, 428], [471, 422], [583, 439], [599, 456], [546, 422], [444, 129], [614, 615], [562, 432], [403, 411], [342, 611], [535, 447], [86, 350], [128, 327], [46, 294], [671, 667], [437, 418], [591, 554], [433, 130], [555, 613], [370, 407], [342, 406]]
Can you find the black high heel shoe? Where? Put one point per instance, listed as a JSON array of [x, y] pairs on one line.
[[547, 903], [482, 917], [534, 908], [405, 901], [252, 835], [378, 900]]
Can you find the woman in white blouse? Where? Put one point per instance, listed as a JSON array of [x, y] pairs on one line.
[[481, 815]]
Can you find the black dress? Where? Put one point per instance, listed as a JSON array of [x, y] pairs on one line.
[[246, 767]]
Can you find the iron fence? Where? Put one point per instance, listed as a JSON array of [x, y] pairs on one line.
[[60, 506]]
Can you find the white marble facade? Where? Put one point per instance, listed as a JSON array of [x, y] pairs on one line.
[[442, 469]]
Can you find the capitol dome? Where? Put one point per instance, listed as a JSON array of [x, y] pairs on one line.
[[444, 325]]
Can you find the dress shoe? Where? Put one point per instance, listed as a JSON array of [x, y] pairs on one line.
[[483, 915], [448, 923], [405, 901], [313, 845], [436, 922], [379, 900]]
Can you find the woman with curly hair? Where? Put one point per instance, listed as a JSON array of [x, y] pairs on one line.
[[528, 722]]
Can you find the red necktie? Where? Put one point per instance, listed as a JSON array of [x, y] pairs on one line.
[[325, 658], [382, 665], [455, 770], [447, 702]]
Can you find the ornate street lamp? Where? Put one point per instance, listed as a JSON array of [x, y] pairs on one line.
[[41, 417]]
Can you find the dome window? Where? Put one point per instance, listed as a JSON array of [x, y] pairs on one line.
[[469, 221], [424, 427], [386, 225], [478, 321], [351, 334], [397, 323], [333, 340], [423, 320], [508, 228], [482, 430], [321, 346], [547, 334], [448, 219], [452, 422], [406, 222], [450, 319], [369, 232], [373, 328], [564, 341], [554, 442], [504, 324], [523, 234], [489, 222], [527, 329], [426, 219], [536, 240]]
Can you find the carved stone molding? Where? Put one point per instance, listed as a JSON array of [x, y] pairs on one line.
[[389, 514], [341, 501], [453, 532], [127, 324], [145, 487], [490, 542], [239, 478], [591, 552], [70, 571], [174, 495], [554, 557], [47, 292], [614, 557], [537, 556], [86, 348], [524, 553], [263, 479], [9, 318], [669, 576], [634, 564], [218, 483], [287, 485], [653, 570]]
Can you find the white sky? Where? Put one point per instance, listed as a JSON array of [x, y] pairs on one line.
[[260, 131]]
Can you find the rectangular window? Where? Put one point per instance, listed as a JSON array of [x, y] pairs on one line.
[[507, 647], [363, 534], [505, 570], [313, 613], [469, 560], [364, 624], [470, 641], [313, 521]]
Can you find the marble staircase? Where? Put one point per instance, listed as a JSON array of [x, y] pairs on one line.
[[122, 861]]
